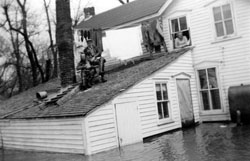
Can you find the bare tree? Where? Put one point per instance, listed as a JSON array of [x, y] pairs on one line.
[[23, 31], [28, 44], [14, 36], [8, 77], [54, 53], [78, 14]]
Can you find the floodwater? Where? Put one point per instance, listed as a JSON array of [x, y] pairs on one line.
[[206, 142]]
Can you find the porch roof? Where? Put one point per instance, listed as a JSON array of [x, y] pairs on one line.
[[128, 14]]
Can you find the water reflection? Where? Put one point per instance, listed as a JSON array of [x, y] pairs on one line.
[[206, 142]]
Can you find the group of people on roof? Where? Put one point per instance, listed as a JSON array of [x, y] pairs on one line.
[[92, 61]]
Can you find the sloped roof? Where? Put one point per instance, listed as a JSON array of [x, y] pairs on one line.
[[123, 14], [26, 98], [84, 102]]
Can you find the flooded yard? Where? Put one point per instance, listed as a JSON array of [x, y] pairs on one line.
[[206, 142]]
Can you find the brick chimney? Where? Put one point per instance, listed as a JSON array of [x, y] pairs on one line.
[[89, 11], [64, 40]]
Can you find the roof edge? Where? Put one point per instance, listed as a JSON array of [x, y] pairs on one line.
[[157, 14]]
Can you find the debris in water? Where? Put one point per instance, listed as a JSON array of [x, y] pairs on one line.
[[223, 126]]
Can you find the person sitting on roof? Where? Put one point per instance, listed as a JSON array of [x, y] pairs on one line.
[[87, 72], [93, 57], [181, 41]]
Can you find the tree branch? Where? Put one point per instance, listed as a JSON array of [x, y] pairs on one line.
[[121, 1]]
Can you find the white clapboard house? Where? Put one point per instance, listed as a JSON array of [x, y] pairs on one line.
[[219, 31], [147, 98]]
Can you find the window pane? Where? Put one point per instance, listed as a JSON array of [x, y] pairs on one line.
[[227, 11], [165, 109], [160, 114], [158, 91], [183, 23], [219, 29], [205, 100], [212, 78], [165, 92], [215, 94], [217, 14], [203, 79], [175, 27], [229, 27]]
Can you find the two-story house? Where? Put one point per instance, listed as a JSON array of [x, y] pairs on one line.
[[149, 97], [220, 32]]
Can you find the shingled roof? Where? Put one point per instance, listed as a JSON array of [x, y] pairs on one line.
[[84, 102], [123, 14]]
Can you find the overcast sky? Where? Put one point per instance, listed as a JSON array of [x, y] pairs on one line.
[[100, 5]]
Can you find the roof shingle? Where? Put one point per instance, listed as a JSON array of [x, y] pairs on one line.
[[86, 101]]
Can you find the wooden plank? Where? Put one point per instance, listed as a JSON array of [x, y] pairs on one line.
[[27, 128], [47, 136], [93, 119], [44, 140], [51, 145], [47, 149], [103, 131], [95, 129], [54, 132], [104, 142]]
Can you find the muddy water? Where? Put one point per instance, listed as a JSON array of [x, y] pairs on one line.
[[206, 142]]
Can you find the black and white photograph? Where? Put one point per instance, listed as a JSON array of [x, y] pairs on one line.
[[124, 80]]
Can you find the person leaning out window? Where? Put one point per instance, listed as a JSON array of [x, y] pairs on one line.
[[181, 41]]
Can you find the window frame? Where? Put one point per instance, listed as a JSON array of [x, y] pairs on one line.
[[171, 28], [211, 110], [179, 27], [225, 36], [169, 118]]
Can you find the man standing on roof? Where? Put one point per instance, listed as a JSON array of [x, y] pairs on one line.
[[93, 56]]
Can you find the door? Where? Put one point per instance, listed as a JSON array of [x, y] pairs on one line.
[[185, 102], [128, 123]]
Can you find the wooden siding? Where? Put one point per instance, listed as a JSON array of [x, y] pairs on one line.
[[144, 93], [101, 125], [53, 135], [233, 54], [101, 130]]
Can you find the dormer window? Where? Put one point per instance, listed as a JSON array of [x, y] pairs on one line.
[[179, 27], [223, 21]]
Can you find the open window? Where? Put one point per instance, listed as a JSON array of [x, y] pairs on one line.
[[180, 25]]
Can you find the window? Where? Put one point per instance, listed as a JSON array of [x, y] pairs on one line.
[[223, 20], [162, 100], [180, 25], [209, 90]]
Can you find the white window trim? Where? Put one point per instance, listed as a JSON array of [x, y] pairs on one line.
[[165, 120], [226, 37], [178, 17], [202, 111], [175, 16]]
